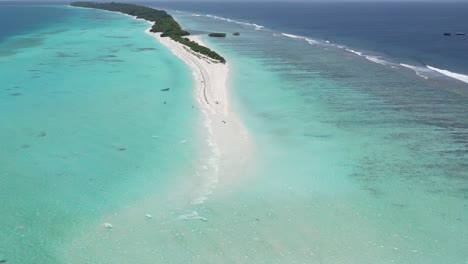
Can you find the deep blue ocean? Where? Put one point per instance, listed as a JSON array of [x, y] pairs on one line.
[[411, 33], [32, 18]]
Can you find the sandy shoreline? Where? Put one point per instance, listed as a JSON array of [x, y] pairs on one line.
[[219, 168], [227, 139], [225, 157], [226, 135]]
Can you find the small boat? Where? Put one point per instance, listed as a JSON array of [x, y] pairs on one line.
[[165, 90], [460, 34], [447, 34]]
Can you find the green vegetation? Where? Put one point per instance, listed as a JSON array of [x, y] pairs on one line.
[[163, 23], [201, 49], [217, 35]]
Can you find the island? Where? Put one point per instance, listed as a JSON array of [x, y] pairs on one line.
[[217, 35], [163, 23]]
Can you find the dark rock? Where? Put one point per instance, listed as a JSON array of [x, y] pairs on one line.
[[217, 35], [145, 49]]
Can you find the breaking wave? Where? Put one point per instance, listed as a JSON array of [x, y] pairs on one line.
[[256, 26], [458, 76], [425, 72], [309, 40], [420, 71], [428, 71], [373, 58]]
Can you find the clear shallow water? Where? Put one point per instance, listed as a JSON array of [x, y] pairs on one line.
[[85, 130], [356, 162]]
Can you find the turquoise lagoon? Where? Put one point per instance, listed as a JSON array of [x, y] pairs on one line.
[[355, 162], [85, 127]]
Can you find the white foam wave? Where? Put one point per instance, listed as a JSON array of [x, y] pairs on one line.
[[292, 36], [420, 71], [309, 40], [257, 27], [429, 71], [458, 76], [378, 60], [208, 178], [312, 41], [375, 59], [355, 52]]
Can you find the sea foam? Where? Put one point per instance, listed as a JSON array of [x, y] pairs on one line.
[[458, 76], [420, 71], [309, 40], [428, 71], [425, 72], [257, 27], [208, 174], [378, 60], [355, 52], [373, 58]]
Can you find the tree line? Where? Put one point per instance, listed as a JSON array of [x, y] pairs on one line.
[[163, 23]]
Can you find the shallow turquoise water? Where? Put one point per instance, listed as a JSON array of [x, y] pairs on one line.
[[359, 162], [85, 127]]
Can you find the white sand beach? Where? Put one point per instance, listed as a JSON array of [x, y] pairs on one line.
[[223, 166], [227, 137]]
